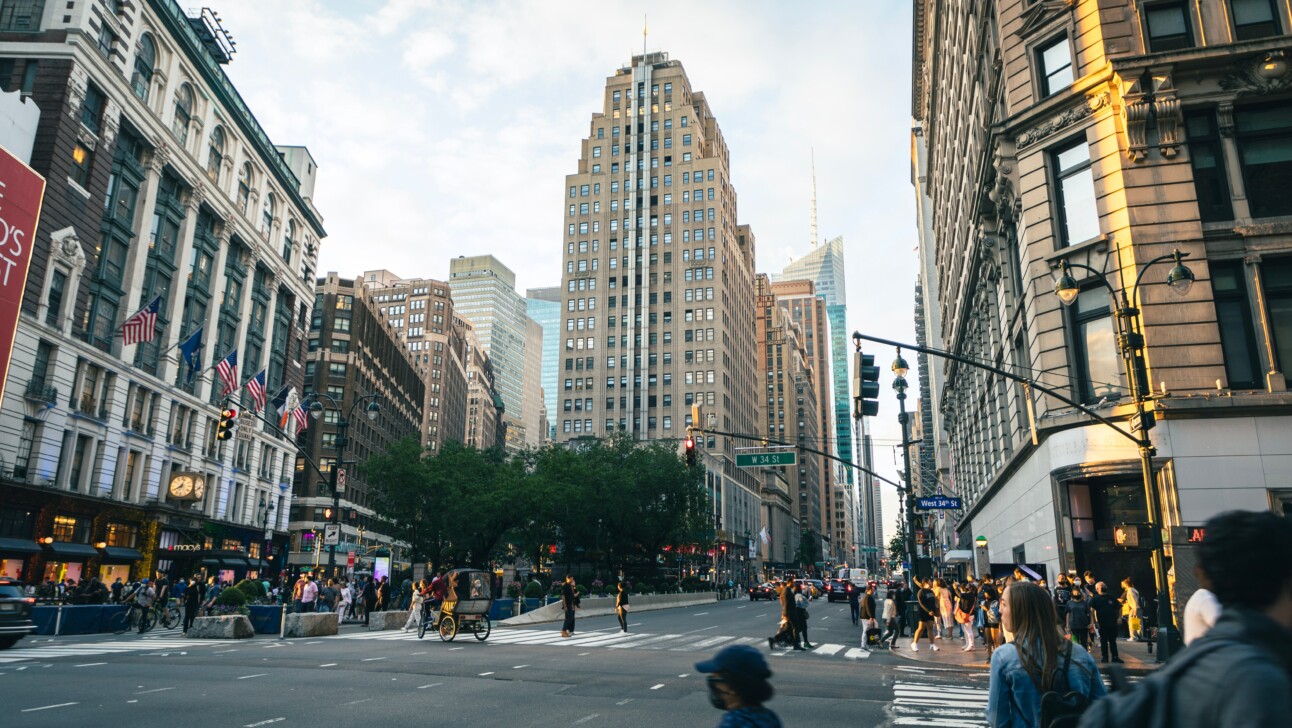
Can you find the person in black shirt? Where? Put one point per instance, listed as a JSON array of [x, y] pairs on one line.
[[194, 595], [926, 611], [901, 595], [1062, 595], [1107, 611], [966, 596], [854, 600]]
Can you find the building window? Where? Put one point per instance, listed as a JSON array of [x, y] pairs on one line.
[[142, 79], [1265, 149], [1168, 26], [21, 15], [92, 108], [1254, 19], [57, 288], [1094, 347], [1276, 275], [1054, 60], [82, 158], [1075, 183], [107, 40], [183, 113], [1207, 157], [1234, 316], [244, 187], [215, 157]]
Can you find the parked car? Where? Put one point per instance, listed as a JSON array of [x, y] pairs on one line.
[[766, 590], [839, 590], [15, 613], [816, 586]]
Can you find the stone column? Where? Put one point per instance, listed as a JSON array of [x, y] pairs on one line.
[[169, 362], [137, 258], [1275, 381], [1233, 165]]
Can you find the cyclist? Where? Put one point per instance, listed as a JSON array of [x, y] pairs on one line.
[[142, 598]]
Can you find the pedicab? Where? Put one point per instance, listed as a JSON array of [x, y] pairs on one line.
[[466, 606]]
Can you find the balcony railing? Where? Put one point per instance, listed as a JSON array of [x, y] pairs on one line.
[[38, 391]]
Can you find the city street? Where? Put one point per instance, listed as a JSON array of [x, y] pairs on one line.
[[528, 677]]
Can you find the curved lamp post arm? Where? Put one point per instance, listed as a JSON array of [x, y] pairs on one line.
[[1175, 254]]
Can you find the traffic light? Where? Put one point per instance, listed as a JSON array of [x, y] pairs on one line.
[[228, 418], [689, 445], [865, 380]]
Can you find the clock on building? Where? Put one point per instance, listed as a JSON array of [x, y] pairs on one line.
[[187, 486]]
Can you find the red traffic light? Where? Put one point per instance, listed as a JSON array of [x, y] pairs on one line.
[[689, 446]]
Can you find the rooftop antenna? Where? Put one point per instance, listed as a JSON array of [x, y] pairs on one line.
[[814, 241], [645, 30]]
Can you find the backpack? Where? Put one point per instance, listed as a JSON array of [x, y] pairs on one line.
[[1148, 704], [1063, 709], [993, 612]]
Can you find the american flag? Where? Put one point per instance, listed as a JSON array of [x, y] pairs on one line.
[[302, 417], [228, 371], [143, 325], [256, 387]]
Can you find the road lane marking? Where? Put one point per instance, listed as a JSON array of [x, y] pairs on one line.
[[329, 664], [684, 674], [217, 652], [657, 687], [432, 685], [48, 707], [586, 718], [624, 701], [263, 722], [361, 700], [92, 664], [415, 654], [486, 673], [315, 642], [154, 690], [248, 677], [371, 659], [456, 648], [699, 614], [517, 667], [581, 654]]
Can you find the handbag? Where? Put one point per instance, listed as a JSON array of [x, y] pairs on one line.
[[626, 607]]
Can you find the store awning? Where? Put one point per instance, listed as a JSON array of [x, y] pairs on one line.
[[18, 546], [64, 551], [958, 557], [211, 563], [121, 555], [231, 562]]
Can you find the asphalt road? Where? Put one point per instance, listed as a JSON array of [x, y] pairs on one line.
[[521, 677]]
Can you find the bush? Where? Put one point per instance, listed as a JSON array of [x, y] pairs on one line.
[[534, 590], [581, 589], [513, 589], [251, 588], [234, 597]]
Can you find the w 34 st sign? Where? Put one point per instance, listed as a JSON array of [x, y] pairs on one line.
[[21, 192], [938, 502]]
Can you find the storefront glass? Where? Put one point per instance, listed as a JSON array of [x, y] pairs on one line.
[[61, 571], [11, 568], [111, 572]]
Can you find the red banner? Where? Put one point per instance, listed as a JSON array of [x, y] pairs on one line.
[[21, 192]]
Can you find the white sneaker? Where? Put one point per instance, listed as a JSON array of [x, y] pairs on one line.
[[915, 647], [935, 648]]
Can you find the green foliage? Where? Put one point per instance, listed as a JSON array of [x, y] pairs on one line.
[[251, 588], [809, 548], [897, 544], [232, 597], [533, 590]]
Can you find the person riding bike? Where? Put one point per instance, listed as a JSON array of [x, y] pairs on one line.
[[142, 599]]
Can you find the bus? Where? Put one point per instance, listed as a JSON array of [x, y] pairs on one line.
[[860, 577]]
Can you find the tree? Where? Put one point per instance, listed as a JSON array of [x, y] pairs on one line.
[[809, 548], [897, 544]]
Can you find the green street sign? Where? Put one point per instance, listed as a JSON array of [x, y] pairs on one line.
[[760, 459]]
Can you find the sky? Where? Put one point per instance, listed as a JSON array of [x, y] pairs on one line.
[[446, 128]]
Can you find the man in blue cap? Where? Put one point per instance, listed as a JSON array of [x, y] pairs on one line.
[[738, 685]]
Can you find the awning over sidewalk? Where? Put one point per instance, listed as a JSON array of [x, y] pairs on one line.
[[64, 551], [18, 546], [958, 557], [121, 555]]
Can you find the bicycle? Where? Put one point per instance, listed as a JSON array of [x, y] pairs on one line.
[[168, 615], [134, 618]]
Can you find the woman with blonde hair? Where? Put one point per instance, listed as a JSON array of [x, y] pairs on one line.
[[1038, 661], [945, 614]]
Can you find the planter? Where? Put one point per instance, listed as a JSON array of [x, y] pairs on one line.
[[378, 621], [316, 624], [233, 627]]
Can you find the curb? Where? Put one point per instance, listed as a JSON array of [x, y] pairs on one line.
[[1134, 670]]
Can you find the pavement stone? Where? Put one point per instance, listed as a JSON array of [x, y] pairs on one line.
[[1135, 655]]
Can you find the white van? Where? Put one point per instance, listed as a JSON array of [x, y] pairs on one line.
[[858, 577]]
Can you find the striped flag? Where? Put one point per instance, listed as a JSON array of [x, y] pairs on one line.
[[228, 371], [256, 387], [291, 400], [143, 325], [302, 417]]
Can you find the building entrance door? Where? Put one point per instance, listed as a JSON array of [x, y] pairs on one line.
[[1097, 506]]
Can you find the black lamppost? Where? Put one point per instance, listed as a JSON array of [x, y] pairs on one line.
[[342, 427], [266, 508], [1130, 342], [900, 368]]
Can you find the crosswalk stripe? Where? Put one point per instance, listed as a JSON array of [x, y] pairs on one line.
[[856, 653], [828, 649], [704, 644]]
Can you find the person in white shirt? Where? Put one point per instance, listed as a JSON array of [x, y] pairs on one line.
[[309, 594], [1132, 609], [1200, 614], [889, 639]]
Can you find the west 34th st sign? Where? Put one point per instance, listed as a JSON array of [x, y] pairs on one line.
[[938, 502]]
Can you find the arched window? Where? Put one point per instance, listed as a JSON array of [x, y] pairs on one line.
[[267, 214], [142, 79], [183, 113], [215, 159], [289, 238], [244, 187]]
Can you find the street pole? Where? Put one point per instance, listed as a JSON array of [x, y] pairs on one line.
[[341, 426], [903, 418]]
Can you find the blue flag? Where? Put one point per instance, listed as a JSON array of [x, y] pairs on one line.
[[190, 352]]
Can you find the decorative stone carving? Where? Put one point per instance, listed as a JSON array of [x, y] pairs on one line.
[[1170, 118], [1246, 80], [196, 196], [67, 248], [1063, 120], [77, 81], [160, 156], [1136, 109], [1039, 14], [1225, 115], [111, 122]]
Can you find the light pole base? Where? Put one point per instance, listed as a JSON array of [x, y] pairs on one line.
[[1169, 642]]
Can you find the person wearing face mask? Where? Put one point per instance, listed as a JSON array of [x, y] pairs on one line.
[[738, 686]]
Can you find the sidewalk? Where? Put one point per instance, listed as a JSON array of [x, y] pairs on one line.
[[1135, 655]]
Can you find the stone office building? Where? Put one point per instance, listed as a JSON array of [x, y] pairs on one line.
[[1107, 134], [161, 183]]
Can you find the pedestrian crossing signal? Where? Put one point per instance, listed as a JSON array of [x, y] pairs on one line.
[[228, 418], [689, 446]]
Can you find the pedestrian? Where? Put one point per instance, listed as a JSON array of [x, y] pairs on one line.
[[1132, 610], [369, 600], [854, 602], [903, 617], [1038, 661], [945, 613], [569, 603], [346, 601], [1078, 618], [328, 596], [926, 612], [309, 594], [117, 586], [966, 596], [738, 685], [1107, 613], [801, 600], [406, 593], [1200, 613], [1088, 583], [1062, 595], [144, 597], [1240, 673], [298, 589], [989, 608], [414, 608], [621, 607], [383, 594], [869, 627], [193, 594], [890, 636], [787, 633], [213, 590]]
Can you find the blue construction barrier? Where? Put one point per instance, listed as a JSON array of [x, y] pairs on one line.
[[266, 619], [503, 609], [76, 619]]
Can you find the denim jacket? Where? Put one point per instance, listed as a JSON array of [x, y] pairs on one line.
[[1014, 701]]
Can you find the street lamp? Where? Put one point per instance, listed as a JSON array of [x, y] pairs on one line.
[[900, 368], [1130, 342], [342, 427], [266, 508]]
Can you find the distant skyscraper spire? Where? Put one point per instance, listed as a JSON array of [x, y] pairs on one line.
[[814, 197], [645, 30]]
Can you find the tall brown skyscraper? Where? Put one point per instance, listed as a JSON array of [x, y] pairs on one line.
[[658, 282]]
